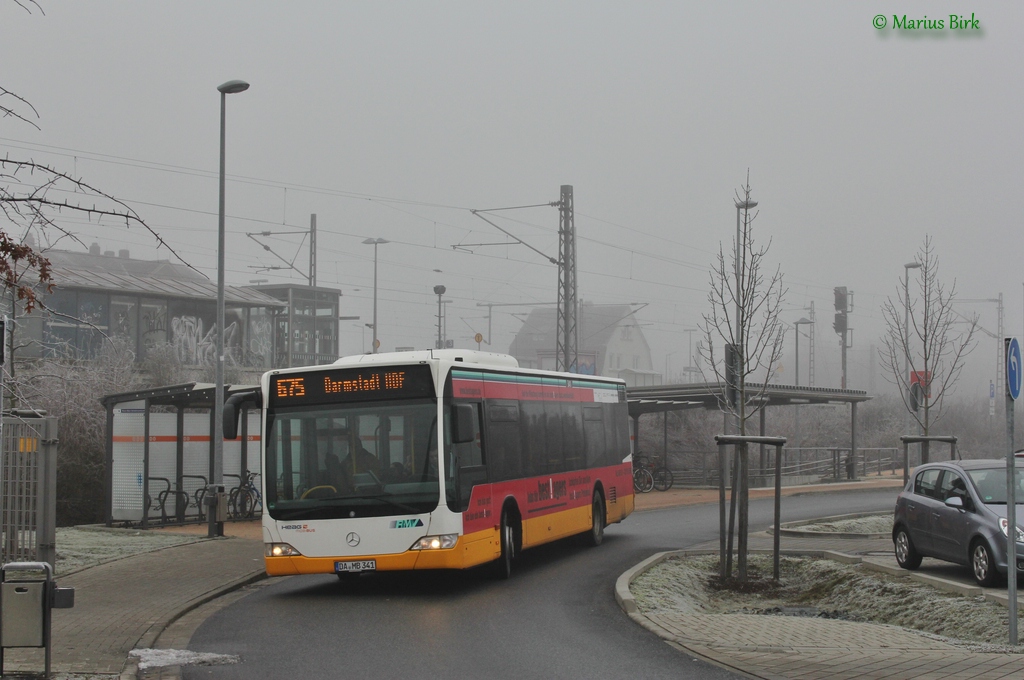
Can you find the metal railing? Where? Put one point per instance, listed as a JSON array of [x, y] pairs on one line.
[[700, 468], [28, 489]]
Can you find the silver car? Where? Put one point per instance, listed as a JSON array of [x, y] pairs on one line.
[[956, 511]]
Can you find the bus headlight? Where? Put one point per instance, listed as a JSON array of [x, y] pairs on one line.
[[442, 542], [279, 550]]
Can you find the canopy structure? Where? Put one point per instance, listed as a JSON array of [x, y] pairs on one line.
[[662, 398]]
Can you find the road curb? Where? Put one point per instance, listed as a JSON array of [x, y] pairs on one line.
[[130, 670]]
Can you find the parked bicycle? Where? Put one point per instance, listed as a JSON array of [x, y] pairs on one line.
[[643, 478], [663, 478], [245, 498]]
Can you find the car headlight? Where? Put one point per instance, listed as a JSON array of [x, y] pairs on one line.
[[442, 542], [279, 550], [1003, 524]]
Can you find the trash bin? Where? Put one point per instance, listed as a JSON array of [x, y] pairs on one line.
[[22, 620], [25, 604]]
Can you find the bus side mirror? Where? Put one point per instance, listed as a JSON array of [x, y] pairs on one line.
[[463, 431], [231, 409]]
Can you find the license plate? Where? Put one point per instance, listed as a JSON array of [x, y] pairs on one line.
[[357, 565]]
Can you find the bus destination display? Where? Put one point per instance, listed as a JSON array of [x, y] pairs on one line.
[[351, 384]]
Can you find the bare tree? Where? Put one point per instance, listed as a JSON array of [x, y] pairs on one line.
[[32, 194], [69, 388], [742, 342], [923, 331], [744, 313]]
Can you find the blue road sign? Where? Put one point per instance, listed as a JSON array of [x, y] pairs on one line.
[[1013, 368]]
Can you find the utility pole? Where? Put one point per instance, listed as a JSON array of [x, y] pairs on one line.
[[566, 331], [566, 334], [312, 250]]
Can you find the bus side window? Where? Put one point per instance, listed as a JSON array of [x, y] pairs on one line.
[[534, 443], [470, 453], [504, 452], [553, 411], [572, 436], [593, 435]]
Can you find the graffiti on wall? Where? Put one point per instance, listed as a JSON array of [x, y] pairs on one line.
[[261, 342], [193, 347]]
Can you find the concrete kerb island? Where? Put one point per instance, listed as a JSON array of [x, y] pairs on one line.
[[733, 649]]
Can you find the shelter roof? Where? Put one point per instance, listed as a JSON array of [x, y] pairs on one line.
[[659, 398], [187, 395]]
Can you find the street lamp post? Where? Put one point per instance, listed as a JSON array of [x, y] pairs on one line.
[[796, 334], [439, 291], [375, 242], [741, 207], [796, 324], [217, 473]]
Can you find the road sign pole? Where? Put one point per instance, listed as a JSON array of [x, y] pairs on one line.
[[1013, 385]]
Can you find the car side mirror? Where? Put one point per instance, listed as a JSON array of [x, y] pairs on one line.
[[955, 502]]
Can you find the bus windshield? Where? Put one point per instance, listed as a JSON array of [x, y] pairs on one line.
[[365, 459]]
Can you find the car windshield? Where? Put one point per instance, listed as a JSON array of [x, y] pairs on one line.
[[991, 485]]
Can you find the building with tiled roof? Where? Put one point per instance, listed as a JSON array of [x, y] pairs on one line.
[[153, 303]]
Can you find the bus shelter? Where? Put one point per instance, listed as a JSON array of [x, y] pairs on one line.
[[159, 452], [662, 398]]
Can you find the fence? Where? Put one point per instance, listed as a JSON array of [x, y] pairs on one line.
[[28, 489], [799, 465]]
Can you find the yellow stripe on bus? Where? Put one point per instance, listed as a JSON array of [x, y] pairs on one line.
[[476, 548]]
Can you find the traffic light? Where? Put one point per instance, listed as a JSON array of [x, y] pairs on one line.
[[840, 323], [840, 292]]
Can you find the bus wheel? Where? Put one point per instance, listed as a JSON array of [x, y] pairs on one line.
[[503, 567], [596, 534]]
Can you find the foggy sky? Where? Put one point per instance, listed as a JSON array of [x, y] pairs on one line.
[[391, 120]]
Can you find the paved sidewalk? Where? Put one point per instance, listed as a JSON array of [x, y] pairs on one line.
[[126, 604]]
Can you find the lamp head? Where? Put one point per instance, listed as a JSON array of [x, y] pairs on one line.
[[912, 265], [439, 290], [233, 87]]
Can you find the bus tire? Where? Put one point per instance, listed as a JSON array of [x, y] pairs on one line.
[[596, 534], [507, 538]]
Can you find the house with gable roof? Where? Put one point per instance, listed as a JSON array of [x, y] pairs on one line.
[[611, 343]]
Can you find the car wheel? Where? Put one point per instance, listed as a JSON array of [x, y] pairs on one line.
[[983, 565], [906, 554]]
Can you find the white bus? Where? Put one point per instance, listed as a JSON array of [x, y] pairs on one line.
[[352, 479]]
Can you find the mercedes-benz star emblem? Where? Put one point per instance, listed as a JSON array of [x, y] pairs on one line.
[[352, 539]]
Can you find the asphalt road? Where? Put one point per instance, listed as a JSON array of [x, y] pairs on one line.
[[556, 616]]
